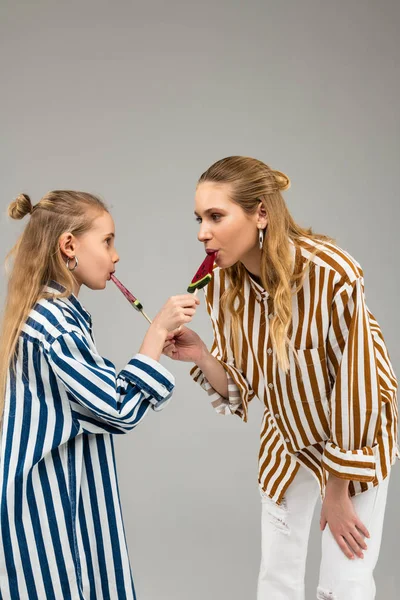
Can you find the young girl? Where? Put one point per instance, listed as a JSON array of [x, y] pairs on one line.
[[61, 529], [291, 327]]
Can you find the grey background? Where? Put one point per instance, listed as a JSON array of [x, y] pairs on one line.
[[133, 101]]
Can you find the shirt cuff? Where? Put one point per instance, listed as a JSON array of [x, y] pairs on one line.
[[358, 465], [155, 381], [223, 406]]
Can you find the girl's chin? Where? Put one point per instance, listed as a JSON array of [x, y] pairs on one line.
[[98, 285]]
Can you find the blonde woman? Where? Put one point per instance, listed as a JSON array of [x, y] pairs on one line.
[[61, 528], [291, 327]]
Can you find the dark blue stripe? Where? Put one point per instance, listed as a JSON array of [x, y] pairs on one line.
[[120, 508], [19, 480], [103, 425], [73, 500], [136, 362], [112, 523], [66, 501], [55, 534], [5, 525], [87, 549], [96, 519], [30, 492], [89, 364]]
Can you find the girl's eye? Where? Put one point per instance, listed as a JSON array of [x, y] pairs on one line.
[[198, 219], [108, 240]]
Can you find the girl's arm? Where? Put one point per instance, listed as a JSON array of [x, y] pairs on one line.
[[101, 397]]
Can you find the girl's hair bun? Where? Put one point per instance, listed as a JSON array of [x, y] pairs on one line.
[[282, 180], [20, 207]]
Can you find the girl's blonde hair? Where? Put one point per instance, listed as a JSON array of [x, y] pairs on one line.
[[37, 260], [251, 182]]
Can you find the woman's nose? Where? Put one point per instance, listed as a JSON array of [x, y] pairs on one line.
[[204, 234]]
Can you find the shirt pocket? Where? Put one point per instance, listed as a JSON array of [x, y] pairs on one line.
[[309, 374]]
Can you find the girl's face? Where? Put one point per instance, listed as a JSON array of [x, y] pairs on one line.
[[95, 251], [225, 227]]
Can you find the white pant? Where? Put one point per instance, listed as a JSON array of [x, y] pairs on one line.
[[285, 534]]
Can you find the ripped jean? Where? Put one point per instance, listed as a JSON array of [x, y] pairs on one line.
[[285, 534]]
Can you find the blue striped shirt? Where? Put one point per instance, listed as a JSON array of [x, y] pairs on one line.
[[61, 530]]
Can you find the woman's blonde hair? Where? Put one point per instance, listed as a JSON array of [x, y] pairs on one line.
[[251, 182], [37, 260]]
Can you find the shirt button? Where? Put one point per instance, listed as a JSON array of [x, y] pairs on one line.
[[269, 351], [277, 416], [270, 316], [270, 385], [287, 440]]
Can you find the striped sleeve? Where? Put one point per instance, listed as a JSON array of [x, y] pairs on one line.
[[119, 402], [355, 401], [239, 390]]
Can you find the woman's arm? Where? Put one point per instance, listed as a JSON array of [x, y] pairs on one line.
[[186, 345]]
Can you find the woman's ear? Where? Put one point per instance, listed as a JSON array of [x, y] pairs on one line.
[[262, 219], [67, 244]]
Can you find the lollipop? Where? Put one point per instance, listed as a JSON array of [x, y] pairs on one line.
[[130, 297], [204, 273]]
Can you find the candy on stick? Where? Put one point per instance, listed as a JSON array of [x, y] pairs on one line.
[[204, 274], [130, 297]]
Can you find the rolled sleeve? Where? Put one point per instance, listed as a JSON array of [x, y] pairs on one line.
[[239, 390], [155, 381], [358, 465], [355, 401]]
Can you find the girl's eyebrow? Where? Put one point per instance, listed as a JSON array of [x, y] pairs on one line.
[[209, 211], [110, 235]]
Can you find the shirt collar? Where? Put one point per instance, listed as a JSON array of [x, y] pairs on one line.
[[53, 287], [257, 288]]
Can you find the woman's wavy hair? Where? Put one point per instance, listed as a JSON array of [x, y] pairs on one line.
[[251, 182]]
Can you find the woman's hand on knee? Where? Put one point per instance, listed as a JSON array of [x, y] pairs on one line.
[[338, 512]]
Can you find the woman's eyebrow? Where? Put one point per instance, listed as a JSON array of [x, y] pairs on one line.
[[209, 211]]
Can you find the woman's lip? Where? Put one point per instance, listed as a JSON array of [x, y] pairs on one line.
[[211, 251]]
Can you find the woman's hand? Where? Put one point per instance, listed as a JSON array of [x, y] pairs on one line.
[[184, 344], [338, 511], [177, 311]]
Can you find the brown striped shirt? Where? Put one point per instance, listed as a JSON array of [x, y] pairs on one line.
[[335, 410]]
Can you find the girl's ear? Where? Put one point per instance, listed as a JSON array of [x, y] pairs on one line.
[[67, 244]]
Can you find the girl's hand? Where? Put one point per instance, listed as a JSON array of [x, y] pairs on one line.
[[184, 344], [338, 511], [177, 311]]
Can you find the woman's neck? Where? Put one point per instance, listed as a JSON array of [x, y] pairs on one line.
[[252, 262]]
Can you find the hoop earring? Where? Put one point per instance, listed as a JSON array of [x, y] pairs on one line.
[[75, 265], [261, 238]]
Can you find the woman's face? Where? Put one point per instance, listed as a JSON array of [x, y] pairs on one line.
[[225, 227]]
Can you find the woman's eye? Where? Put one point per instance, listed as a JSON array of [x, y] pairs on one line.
[[215, 217], [198, 219], [108, 240]]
